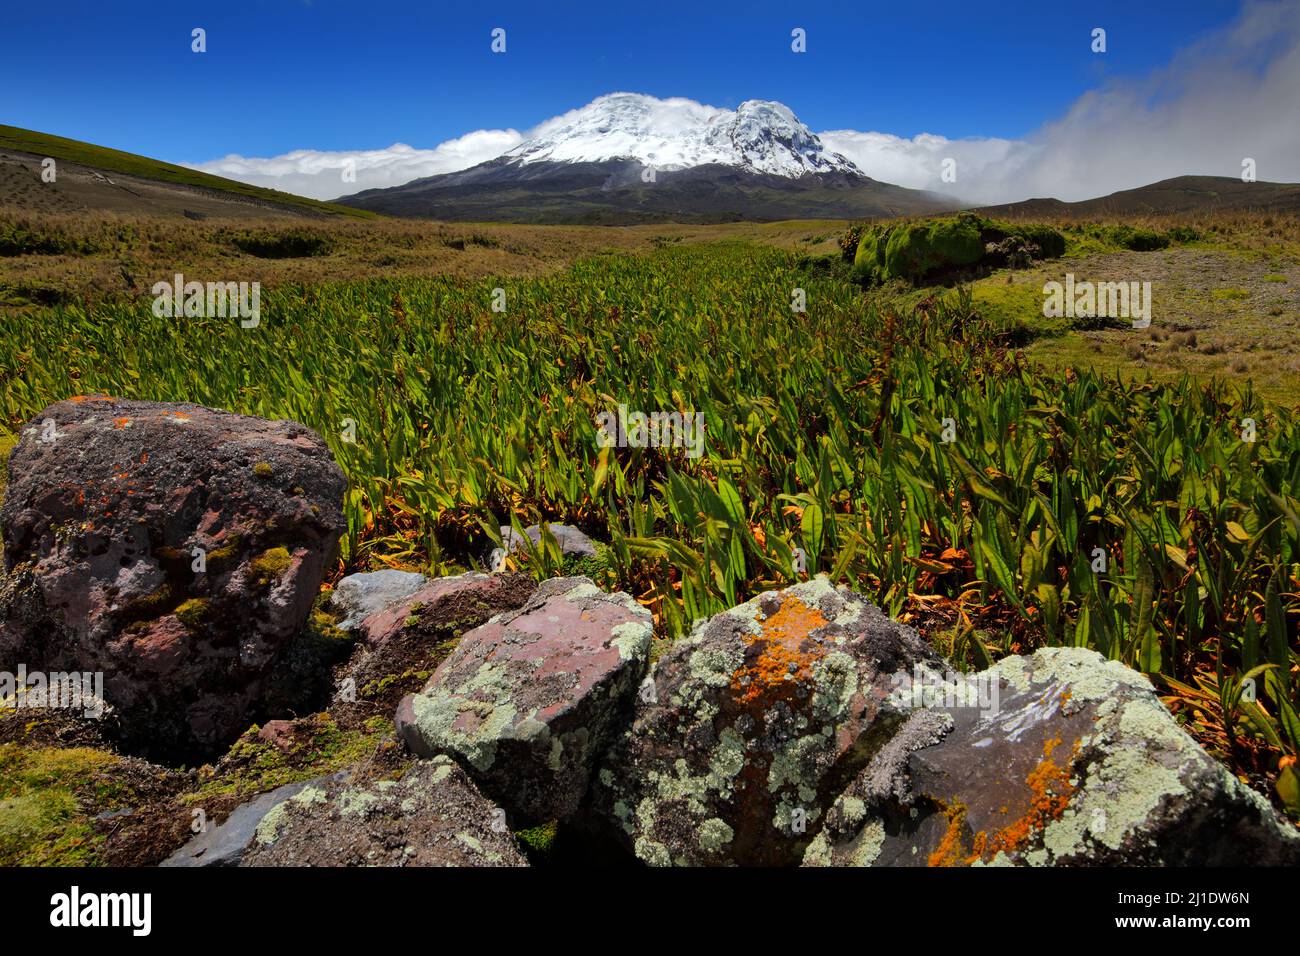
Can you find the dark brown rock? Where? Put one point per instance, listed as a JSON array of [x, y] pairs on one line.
[[173, 547], [432, 816]]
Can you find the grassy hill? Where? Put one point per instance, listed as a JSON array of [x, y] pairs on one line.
[[1180, 195], [117, 161]]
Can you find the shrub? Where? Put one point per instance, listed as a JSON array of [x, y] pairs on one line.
[[935, 249], [297, 244]]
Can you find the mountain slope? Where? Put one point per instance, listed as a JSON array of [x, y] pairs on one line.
[[1182, 194], [139, 184], [627, 158]]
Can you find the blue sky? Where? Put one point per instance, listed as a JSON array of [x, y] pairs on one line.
[[336, 75]]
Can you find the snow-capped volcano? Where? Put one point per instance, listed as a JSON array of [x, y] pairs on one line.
[[756, 162], [675, 133]]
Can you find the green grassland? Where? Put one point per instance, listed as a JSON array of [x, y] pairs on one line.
[[826, 431], [117, 161]]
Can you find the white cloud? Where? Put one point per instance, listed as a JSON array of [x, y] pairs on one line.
[[919, 162], [319, 174], [1235, 94]]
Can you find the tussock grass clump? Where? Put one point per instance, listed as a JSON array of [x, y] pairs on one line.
[[293, 244]]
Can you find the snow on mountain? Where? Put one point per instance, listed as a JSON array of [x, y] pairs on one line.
[[676, 133]]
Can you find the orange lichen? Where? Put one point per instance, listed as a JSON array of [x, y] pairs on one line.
[[780, 656], [949, 852], [1050, 792], [121, 422]]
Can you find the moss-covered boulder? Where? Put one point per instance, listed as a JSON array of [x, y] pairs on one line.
[[937, 249], [1059, 759], [747, 730]]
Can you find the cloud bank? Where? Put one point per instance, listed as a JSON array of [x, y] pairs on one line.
[[1233, 96], [320, 174]]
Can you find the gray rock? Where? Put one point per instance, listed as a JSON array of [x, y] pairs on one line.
[[1058, 759], [433, 816], [224, 844], [573, 543], [358, 596], [528, 700], [748, 729]]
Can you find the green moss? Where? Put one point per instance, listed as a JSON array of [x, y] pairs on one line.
[[151, 605], [193, 612], [270, 564], [933, 248], [538, 842], [218, 559], [253, 766], [597, 566], [41, 820], [917, 251], [263, 470], [7, 442]]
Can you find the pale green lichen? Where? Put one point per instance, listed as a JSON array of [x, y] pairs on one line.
[[835, 681], [654, 854], [356, 802], [714, 834], [268, 828], [632, 638], [471, 841], [583, 591], [487, 695]]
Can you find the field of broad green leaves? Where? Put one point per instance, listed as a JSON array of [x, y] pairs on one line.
[[907, 449]]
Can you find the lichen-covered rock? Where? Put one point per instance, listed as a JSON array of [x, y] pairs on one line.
[[432, 816], [1062, 758], [225, 843], [748, 729], [403, 643], [175, 548], [574, 545], [358, 596], [449, 604], [528, 700]]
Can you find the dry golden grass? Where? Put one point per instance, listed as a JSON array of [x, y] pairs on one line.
[[97, 256]]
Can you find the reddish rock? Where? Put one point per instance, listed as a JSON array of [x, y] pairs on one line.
[[528, 700], [278, 733], [173, 547], [465, 599]]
